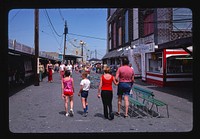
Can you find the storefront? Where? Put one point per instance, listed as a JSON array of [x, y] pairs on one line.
[[171, 64], [169, 67], [166, 65]]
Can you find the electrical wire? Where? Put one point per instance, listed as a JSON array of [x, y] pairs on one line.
[[51, 23], [87, 36]]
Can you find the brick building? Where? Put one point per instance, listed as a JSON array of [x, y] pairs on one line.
[[157, 41]]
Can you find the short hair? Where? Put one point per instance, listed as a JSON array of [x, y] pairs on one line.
[[67, 73], [107, 69], [125, 61], [84, 74]]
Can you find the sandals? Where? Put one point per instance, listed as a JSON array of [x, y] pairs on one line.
[[117, 114], [125, 116]]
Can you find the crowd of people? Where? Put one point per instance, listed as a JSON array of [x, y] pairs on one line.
[[123, 79]]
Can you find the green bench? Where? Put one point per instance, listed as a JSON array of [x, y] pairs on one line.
[[136, 103], [144, 97], [135, 100]]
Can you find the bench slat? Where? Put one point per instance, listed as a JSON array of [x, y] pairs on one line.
[[148, 96]]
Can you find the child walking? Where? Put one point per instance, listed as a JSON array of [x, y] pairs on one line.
[[83, 92], [68, 92]]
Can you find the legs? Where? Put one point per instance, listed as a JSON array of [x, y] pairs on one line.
[[71, 113], [69, 99], [40, 74], [71, 102], [107, 103], [124, 89], [66, 105], [126, 104], [119, 102], [84, 105]]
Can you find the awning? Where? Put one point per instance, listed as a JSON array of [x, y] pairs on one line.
[[178, 43], [94, 59], [113, 54], [72, 56]]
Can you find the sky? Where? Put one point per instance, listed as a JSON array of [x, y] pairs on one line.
[[86, 24]]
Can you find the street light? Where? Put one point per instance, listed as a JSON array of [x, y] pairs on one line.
[[82, 43]]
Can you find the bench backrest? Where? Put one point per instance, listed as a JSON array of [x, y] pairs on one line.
[[141, 91]]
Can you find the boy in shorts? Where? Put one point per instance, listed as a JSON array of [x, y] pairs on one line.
[[83, 92]]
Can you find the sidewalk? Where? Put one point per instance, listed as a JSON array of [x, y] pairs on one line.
[[40, 109]]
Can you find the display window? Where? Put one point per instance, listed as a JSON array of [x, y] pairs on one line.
[[155, 63], [179, 64]]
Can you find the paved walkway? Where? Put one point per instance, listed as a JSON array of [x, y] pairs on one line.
[[40, 109]]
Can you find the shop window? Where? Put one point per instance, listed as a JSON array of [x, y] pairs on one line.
[[155, 63], [149, 24], [179, 64], [126, 27]]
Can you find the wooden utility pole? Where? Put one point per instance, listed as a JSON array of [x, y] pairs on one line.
[[36, 39], [65, 33]]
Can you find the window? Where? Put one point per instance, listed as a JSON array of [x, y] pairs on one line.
[[114, 35], [110, 44], [148, 24], [179, 64], [109, 31], [135, 24], [126, 27], [155, 63], [120, 32], [182, 19]]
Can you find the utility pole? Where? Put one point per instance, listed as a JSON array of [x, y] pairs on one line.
[[65, 33], [36, 39], [95, 53], [82, 43]]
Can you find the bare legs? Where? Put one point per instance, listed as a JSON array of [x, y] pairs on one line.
[[126, 104]]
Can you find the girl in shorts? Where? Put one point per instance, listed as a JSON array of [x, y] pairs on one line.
[[68, 92]]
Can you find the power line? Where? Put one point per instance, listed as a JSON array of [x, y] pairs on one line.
[[53, 33], [61, 15], [51, 23], [15, 15], [87, 36]]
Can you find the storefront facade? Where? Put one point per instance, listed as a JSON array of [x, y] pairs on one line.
[[169, 67]]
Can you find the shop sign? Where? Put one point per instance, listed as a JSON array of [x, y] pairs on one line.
[[145, 48]]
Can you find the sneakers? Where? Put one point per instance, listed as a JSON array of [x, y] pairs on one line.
[[67, 114], [71, 113], [85, 114]]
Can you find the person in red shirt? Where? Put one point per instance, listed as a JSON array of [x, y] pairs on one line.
[[106, 94]]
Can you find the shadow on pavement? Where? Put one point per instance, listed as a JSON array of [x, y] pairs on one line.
[[182, 90]]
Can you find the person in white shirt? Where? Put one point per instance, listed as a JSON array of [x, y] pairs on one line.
[[69, 67], [62, 69], [83, 92]]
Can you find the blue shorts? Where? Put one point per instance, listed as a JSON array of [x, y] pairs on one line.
[[84, 94], [124, 88]]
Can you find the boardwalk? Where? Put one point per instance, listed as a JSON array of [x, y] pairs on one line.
[[40, 109]]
